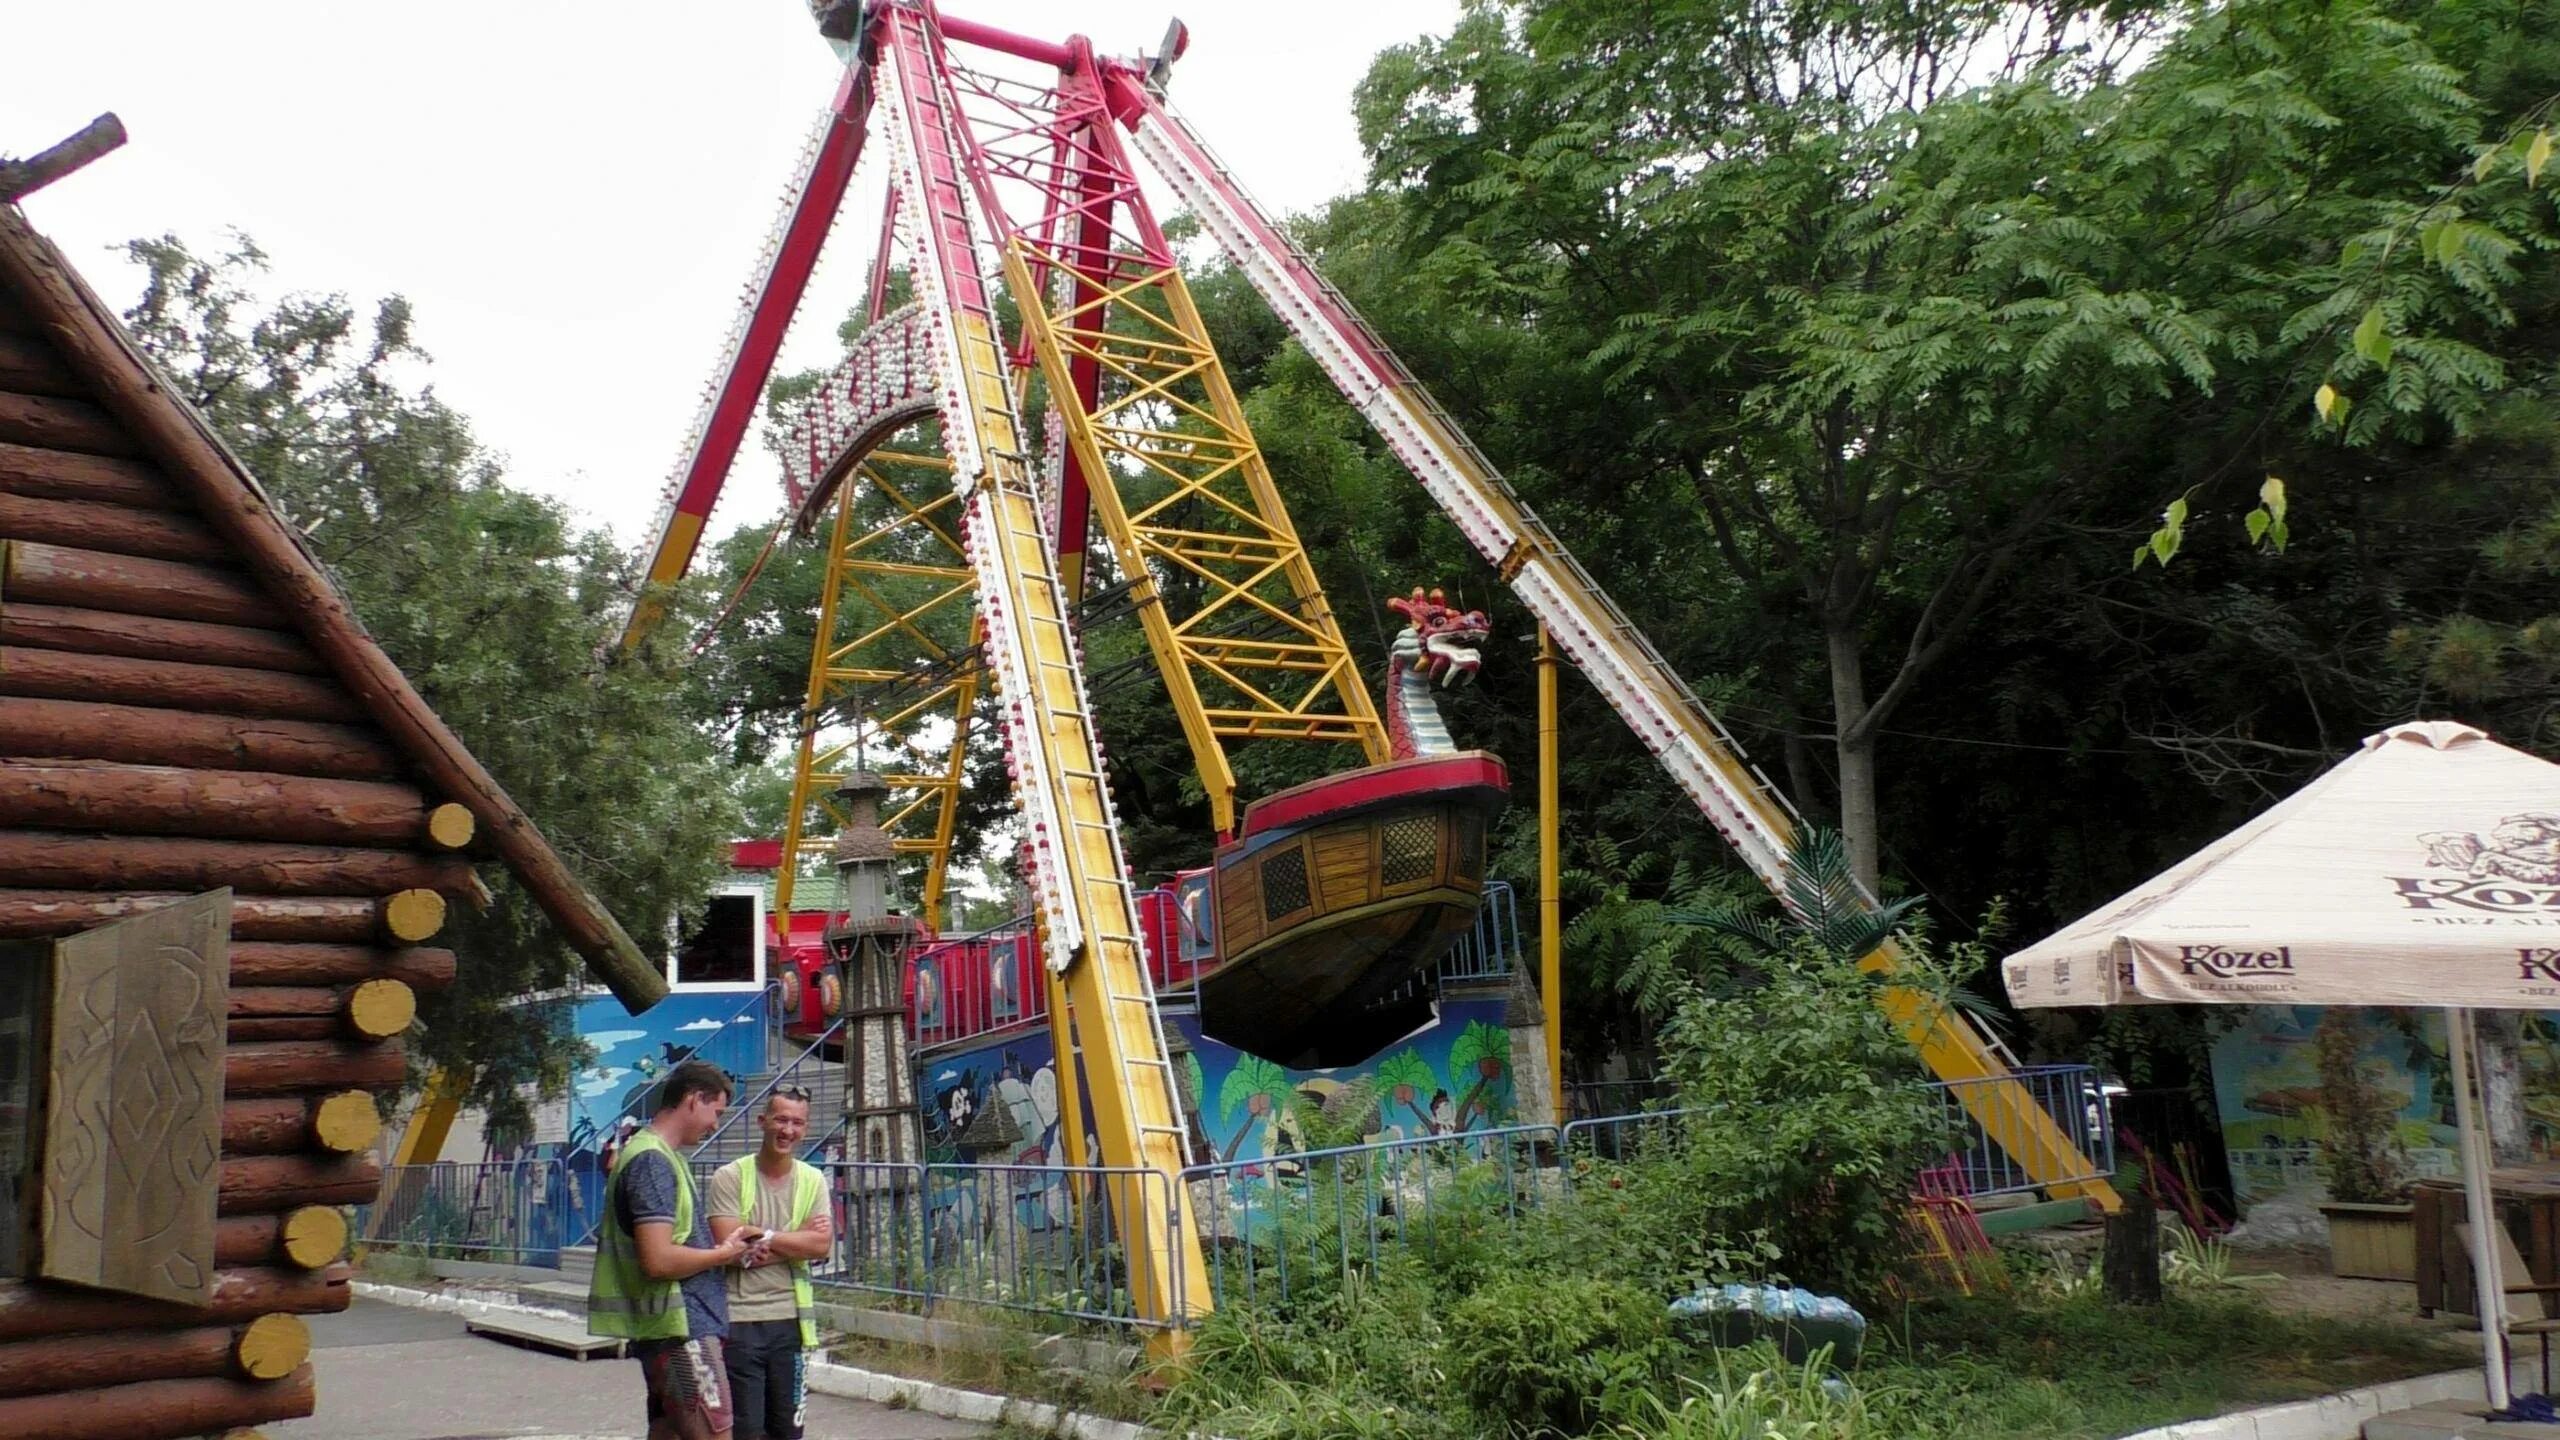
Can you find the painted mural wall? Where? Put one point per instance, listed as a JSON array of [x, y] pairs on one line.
[[2267, 1090], [998, 1103]]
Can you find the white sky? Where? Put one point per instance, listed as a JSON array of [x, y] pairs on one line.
[[573, 195]]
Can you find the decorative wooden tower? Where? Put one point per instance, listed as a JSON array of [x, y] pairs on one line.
[[869, 942]]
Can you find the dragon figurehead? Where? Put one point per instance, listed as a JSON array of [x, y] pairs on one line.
[[1438, 646]]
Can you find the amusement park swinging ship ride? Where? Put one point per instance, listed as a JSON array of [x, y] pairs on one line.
[[956, 561]]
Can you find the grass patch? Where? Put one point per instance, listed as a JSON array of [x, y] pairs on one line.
[[2078, 1368], [1392, 1357], [396, 1267], [1008, 1365]]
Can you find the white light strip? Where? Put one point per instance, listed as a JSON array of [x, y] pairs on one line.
[[1026, 735], [736, 340], [1615, 665]]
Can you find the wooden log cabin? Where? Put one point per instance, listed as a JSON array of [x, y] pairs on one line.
[[230, 831]]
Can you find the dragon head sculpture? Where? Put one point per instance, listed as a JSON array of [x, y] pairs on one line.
[[1439, 645]]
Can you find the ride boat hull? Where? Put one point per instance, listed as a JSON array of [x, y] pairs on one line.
[[1338, 894]]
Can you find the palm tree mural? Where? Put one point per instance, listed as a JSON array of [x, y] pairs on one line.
[[1194, 1084], [1480, 1059], [1257, 1085], [1407, 1080]]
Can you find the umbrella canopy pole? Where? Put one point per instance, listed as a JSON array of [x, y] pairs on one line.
[[2491, 1286]]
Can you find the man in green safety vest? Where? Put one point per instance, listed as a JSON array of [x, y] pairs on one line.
[[773, 1318], [658, 1266]]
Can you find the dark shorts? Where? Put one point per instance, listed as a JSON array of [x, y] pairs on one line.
[[769, 1376], [688, 1383]]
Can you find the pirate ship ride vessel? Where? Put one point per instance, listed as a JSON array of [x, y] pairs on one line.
[[1337, 897]]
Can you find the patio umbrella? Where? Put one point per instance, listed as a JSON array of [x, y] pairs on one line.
[[2422, 870]]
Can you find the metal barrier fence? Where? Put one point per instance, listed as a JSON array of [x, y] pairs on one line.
[[1618, 1139], [2067, 1094], [1044, 1239], [1037, 1238], [1601, 1099], [519, 1213], [1283, 1222]]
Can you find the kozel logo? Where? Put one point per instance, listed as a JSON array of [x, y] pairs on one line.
[[2217, 961], [2516, 871]]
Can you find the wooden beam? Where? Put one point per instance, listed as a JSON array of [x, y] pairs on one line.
[[95, 345], [130, 584], [307, 1238], [55, 423], [370, 1010], [148, 637], [41, 729], [342, 921], [172, 685], [157, 1409], [107, 862], [376, 1008], [451, 826], [271, 1347], [283, 1066], [135, 800], [29, 366], [87, 1362], [262, 1184], [240, 1294], [22, 178], [413, 915], [62, 475], [380, 1009], [262, 962], [347, 1122], [112, 529]]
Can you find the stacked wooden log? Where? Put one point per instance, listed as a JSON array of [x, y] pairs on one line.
[[167, 726]]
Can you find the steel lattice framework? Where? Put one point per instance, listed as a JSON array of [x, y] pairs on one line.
[[1002, 184]]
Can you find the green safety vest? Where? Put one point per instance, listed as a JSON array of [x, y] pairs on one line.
[[623, 1301], [808, 1192]]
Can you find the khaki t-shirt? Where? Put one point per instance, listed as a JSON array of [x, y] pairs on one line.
[[763, 1293]]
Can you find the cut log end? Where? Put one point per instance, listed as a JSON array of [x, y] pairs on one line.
[[413, 915], [451, 826], [272, 1346], [315, 1235], [347, 1121], [380, 1009]]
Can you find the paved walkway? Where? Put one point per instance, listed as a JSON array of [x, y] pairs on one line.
[[388, 1372]]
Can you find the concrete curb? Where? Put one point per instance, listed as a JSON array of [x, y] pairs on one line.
[[2341, 1416], [827, 1377], [846, 1382]]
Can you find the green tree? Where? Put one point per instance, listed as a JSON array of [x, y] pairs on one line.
[[491, 603], [1876, 304]]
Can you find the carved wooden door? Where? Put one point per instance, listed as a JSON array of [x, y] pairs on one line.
[[133, 1113]]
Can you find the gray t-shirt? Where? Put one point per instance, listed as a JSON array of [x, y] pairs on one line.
[[647, 1192], [763, 1293]]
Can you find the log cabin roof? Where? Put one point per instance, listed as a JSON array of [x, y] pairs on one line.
[[148, 570]]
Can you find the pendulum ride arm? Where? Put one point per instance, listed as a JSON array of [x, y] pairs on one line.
[[1156, 436], [1587, 625], [1088, 910], [738, 394]]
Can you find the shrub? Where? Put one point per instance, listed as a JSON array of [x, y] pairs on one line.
[[1552, 1355], [1814, 1115]]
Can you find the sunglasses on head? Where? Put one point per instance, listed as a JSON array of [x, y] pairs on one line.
[[792, 1092]]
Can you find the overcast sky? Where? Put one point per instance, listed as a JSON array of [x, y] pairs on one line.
[[573, 195]]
